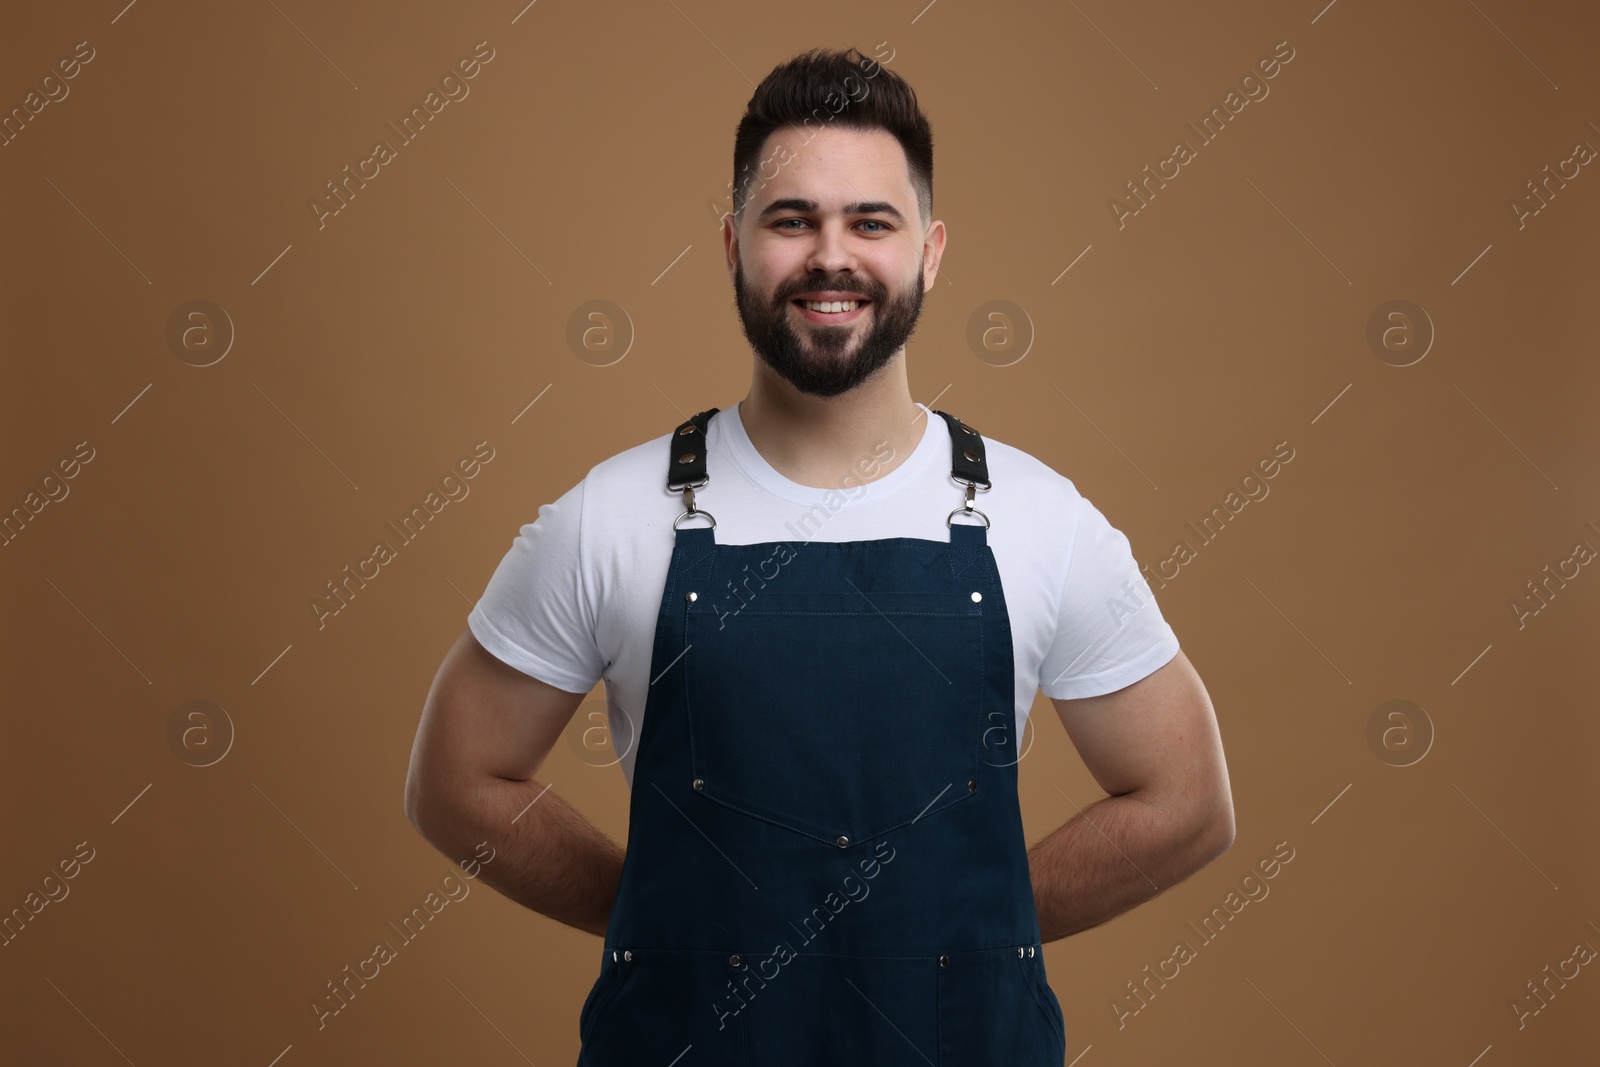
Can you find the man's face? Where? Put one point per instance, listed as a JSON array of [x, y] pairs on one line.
[[827, 224]]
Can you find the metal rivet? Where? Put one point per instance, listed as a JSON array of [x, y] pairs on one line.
[[1030, 952], [699, 783], [613, 955], [971, 455], [943, 960], [691, 596], [972, 786], [976, 596], [841, 841], [687, 457], [1020, 951], [627, 954], [733, 960]]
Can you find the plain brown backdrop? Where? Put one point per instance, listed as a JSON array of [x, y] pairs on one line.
[[591, 161]]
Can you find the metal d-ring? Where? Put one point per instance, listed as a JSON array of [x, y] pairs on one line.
[[688, 501], [967, 508], [707, 514], [966, 511]]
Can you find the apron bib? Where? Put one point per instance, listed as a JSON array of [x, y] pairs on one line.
[[825, 861]]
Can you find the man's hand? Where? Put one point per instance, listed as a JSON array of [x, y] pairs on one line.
[[1154, 746], [485, 732]]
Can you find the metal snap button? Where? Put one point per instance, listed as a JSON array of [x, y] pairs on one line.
[[699, 783], [976, 596], [627, 954], [691, 595], [1030, 952], [972, 785], [943, 960], [1020, 951], [841, 841], [613, 955], [733, 960]]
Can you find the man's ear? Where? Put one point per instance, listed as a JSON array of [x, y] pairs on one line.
[[730, 242]]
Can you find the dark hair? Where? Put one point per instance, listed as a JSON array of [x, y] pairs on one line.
[[823, 87]]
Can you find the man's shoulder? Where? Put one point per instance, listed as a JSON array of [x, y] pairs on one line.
[[632, 481], [1025, 471], [642, 465], [631, 463]]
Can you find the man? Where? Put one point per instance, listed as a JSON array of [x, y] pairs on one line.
[[815, 674]]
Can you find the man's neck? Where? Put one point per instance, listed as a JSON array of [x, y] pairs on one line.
[[833, 442]]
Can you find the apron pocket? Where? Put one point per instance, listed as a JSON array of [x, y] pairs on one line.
[[991, 1011], [659, 1004], [836, 1010], [1034, 968], [605, 985], [837, 714]]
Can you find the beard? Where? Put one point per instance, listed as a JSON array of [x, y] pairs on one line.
[[823, 360]]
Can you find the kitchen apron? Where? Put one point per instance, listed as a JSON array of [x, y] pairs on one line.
[[825, 861]]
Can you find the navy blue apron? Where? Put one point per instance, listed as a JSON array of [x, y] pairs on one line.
[[825, 861]]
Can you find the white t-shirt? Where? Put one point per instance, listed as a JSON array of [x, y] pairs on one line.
[[576, 597]]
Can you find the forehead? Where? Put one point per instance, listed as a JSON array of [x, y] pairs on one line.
[[835, 166]]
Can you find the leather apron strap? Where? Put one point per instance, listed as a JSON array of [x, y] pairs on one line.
[[686, 469]]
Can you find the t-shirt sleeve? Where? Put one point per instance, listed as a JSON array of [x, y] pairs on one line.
[[536, 614], [1109, 631]]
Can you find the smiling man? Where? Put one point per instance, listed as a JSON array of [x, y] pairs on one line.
[[820, 654]]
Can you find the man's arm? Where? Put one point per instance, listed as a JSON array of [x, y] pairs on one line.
[[1154, 746], [486, 730]]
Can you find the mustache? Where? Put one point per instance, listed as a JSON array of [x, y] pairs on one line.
[[795, 295]]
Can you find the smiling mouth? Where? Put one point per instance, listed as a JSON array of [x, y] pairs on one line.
[[832, 316]]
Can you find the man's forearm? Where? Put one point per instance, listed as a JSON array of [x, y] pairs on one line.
[[548, 856], [1116, 853]]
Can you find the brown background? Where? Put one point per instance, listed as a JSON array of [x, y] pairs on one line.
[[593, 153]]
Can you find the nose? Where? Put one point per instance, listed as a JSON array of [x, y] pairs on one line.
[[830, 252]]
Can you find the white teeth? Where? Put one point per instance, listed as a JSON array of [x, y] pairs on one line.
[[836, 305]]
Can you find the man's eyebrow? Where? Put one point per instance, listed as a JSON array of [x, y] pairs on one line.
[[864, 207]]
